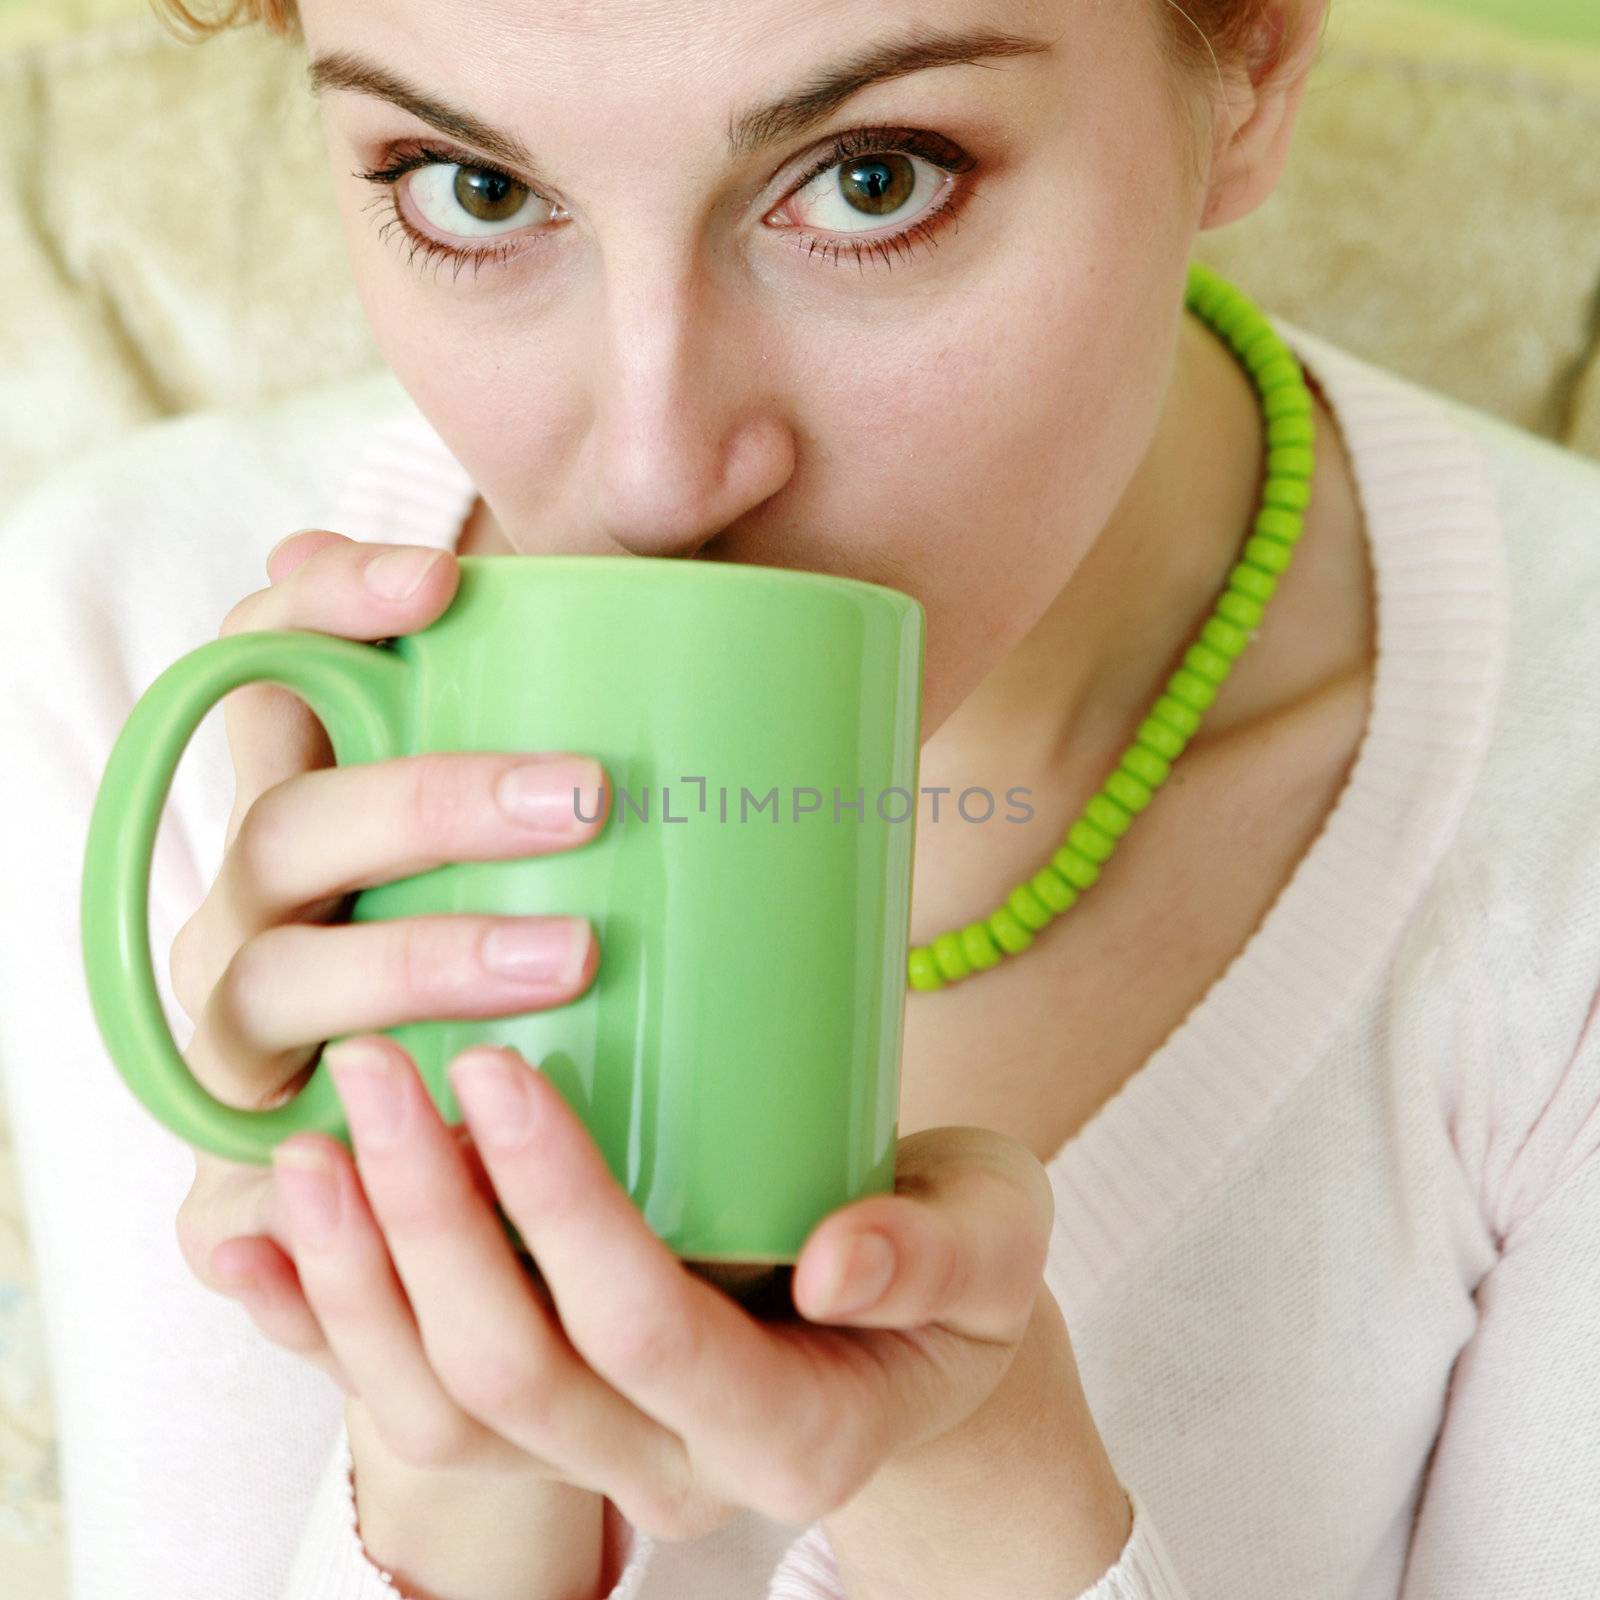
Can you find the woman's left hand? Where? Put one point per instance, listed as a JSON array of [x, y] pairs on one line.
[[707, 1409]]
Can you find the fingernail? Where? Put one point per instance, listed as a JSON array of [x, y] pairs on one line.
[[497, 1102], [397, 573], [310, 1189], [560, 796], [864, 1275], [370, 1090], [547, 950]]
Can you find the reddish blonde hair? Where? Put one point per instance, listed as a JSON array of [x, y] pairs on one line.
[[1199, 34]]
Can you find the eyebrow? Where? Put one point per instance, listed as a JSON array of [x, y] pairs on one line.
[[790, 115]]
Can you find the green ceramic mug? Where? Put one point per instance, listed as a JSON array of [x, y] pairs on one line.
[[737, 1058]]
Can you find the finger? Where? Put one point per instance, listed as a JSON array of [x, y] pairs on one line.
[[298, 547], [226, 1199], [680, 1349], [322, 835], [319, 836], [349, 1283], [497, 1348], [965, 1238], [256, 1273], [294, 986], [321, 587]]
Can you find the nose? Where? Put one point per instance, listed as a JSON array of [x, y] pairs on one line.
[[687, 436]]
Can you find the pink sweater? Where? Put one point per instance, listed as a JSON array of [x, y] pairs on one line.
[[1330, 1259]]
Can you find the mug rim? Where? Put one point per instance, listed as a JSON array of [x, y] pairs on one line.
[[743, 572]]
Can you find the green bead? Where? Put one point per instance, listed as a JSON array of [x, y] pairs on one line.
[[1207, 663], [1107, 815], [1290, 461], [950, 958], [1053, 889], [979, 946], [1176, 715], [1205, 295], [1264, 348], [1273, 522], [1293, 494], [1270, 554], [1298, 429], [920, 969], [1277, 374], [1234, 315], [1252, 581], [1240, 609], [1222, 635], [1128, 791], [1286, 403], [1156, 735], [1190, 689], [1027, 908], [1009, 934], [1230, 300], [1091, 841], [1145, 765], [1075, 867]]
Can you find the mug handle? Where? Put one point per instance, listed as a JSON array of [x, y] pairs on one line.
[[359, 693]]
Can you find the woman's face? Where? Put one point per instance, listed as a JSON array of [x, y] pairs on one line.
[[684, 328]]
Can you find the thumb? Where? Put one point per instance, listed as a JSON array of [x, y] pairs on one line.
[[967, 1232]]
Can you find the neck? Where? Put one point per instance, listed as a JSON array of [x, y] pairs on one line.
[[1055, 714]]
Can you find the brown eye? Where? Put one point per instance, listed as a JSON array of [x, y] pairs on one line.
[[488, 196], [864, 192], [464, 202], [877, 186]]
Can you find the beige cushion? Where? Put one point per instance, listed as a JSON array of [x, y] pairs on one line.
[[1439, 213], [169, 228]]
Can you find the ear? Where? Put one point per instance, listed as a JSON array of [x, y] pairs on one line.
[[1255, 113]]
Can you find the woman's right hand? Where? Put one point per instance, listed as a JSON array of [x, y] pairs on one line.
[[266, 969]]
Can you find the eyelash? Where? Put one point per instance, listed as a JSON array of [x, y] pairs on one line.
[[931, 147]]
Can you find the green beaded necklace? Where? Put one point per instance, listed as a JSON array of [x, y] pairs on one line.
[[1160, 739]]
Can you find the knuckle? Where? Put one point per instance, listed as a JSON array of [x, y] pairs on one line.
[[440, 803], [243, 615], [842, 1480], [423, 1202], [496, 1386], [266, 836], [652, 1345], [415, 966], [678, 1504], [824, 1457], [428, 962], [186, 968], [677, 1518], [789, 1494], [194, 1239], [700, 1515], [247, 984]]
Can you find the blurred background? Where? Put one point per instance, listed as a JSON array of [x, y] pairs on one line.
[[169, 237]]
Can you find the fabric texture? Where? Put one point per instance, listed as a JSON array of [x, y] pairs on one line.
[[1330, 1258]]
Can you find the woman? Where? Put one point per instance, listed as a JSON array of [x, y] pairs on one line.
[[1245, 1241]]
